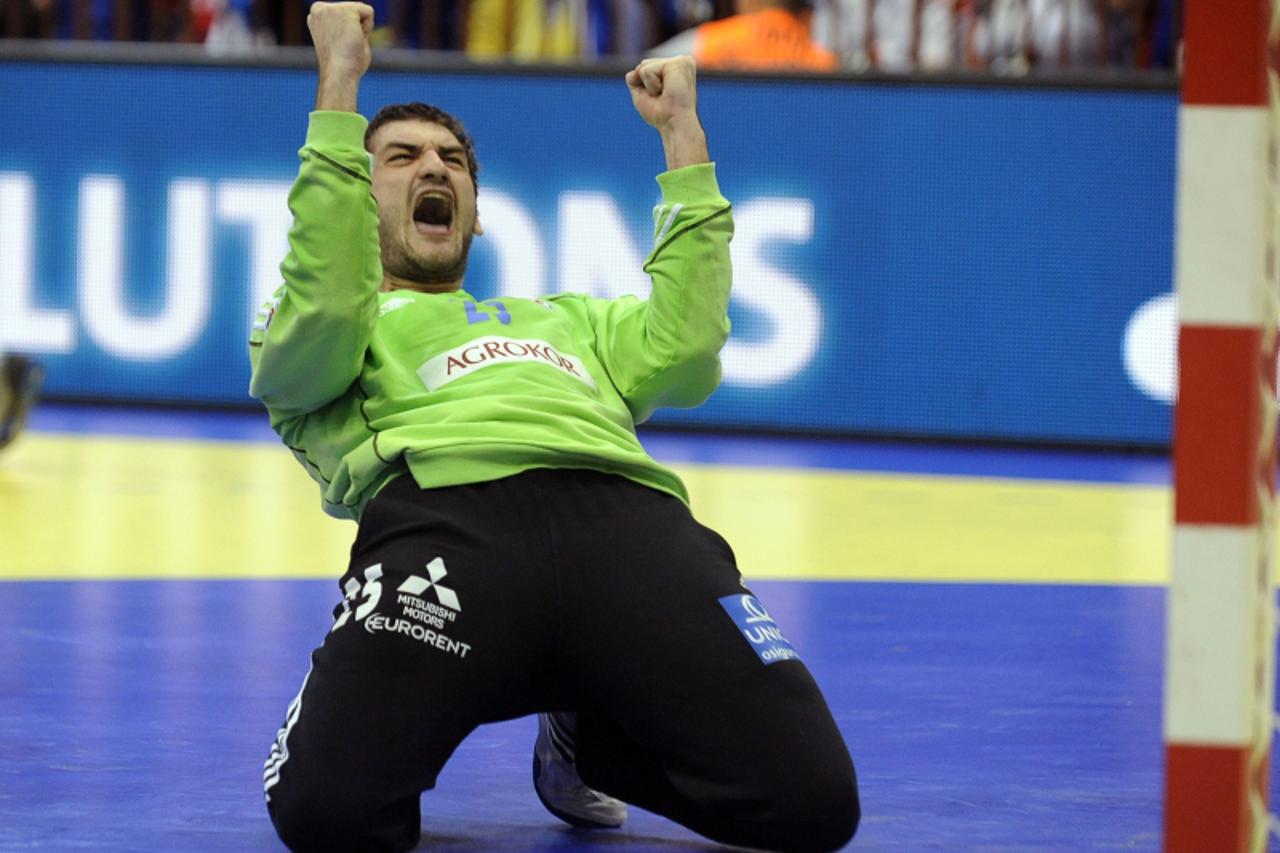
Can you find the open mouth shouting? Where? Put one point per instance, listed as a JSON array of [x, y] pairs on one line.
[[433, 212]]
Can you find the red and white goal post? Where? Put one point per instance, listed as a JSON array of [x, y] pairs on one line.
[[1220, 640]]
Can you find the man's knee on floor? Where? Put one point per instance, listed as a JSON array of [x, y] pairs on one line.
[[817, 813], [309, 822]]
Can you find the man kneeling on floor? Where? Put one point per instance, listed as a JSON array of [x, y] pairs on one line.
[[518, 551]]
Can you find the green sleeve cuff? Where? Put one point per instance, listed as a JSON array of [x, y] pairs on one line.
[[690, 184], [330, 129]]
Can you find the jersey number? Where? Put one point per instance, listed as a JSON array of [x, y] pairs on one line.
[[477, 315]]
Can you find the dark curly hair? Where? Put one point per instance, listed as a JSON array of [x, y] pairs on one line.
[[425, 112]]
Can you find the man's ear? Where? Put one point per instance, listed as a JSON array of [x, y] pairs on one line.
[[478, 229]]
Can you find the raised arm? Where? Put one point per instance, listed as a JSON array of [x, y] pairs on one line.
[[340, 32], [309, 342], [664, 351]]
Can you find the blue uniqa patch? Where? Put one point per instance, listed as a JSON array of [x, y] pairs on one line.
[[758, 627]]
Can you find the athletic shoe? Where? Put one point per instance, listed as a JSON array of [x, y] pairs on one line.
[[21, 378], [556, 779]]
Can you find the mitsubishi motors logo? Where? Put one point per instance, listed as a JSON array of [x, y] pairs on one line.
[[419, 618], [416, 586]]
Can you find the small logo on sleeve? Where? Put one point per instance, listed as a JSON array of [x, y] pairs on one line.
[[758, 627], [267, 312]]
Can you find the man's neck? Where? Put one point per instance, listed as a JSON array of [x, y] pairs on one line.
[[391, 282]]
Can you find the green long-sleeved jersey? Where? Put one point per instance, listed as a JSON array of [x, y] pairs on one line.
[[364, 385]]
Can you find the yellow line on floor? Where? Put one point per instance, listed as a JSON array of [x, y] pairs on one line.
[[109, 507]]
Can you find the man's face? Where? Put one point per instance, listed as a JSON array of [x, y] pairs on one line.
[[426, 203]]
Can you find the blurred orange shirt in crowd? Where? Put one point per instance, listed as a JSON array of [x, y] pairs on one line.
[[769, 39]]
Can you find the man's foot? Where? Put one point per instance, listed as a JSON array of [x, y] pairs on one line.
[[556, 779], [21, 380]]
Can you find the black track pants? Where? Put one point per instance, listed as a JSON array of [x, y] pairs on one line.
[[553, 590]]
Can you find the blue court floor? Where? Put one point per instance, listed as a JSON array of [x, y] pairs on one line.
[[137, 702]]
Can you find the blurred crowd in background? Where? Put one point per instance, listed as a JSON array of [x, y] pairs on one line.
[[1000, 36]]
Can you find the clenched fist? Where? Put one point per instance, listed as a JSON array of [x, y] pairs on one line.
[[664, 92], [340, 32]]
